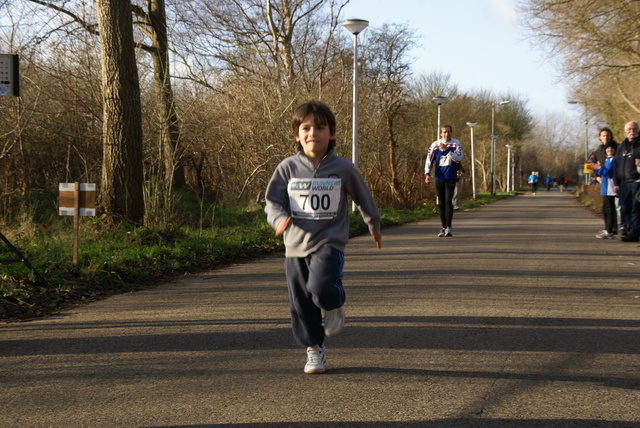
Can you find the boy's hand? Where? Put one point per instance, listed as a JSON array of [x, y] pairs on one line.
[[283, 225], [377, 237]]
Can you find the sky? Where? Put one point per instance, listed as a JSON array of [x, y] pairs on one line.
[[478, 43]]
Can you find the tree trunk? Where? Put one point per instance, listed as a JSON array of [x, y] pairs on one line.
[[121, 196], [396, 191], [170, 130]]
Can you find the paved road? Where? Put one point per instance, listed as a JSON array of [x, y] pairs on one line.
[[522, 319]]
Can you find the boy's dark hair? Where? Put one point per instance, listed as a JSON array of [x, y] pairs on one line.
[[611, 144], [322, 115]]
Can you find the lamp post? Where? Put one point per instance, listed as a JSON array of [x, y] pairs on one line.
[[355, 27], [508, 146], [519, 170], [494, 137], [439, 99], [493, 145], [586, 139], [471, 124]]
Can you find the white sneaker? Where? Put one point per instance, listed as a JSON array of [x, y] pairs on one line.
[[333, 321], [447, 232], [603, 234], [316, 356], [442, 233]]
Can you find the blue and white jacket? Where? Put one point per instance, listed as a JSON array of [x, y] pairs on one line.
[[453, 152], [606, 173]]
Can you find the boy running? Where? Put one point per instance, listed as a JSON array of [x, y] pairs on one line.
[[306, 200]]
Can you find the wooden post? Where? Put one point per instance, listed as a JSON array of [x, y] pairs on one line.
[[77, 200], [76, 221]]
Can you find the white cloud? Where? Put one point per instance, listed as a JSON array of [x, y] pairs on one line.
[[505, 10]]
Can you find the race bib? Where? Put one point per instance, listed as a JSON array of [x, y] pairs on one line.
[[445, 160], [314, 198]]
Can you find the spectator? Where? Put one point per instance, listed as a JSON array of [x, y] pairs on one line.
[[605, 171], [606, 137], [627, 182]]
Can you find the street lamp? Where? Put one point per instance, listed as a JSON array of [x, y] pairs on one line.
[[508, 146], [586, 139], [493, 145], [471, 124], [439, 99], [355, 27], [494, 137]]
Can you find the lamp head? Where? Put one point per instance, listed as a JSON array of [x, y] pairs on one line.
[[440, 99], [508, 146], [505, 102], [355, 26], [472, 123]]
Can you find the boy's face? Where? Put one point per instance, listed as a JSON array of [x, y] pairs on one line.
[[610, 151], [314, 138]]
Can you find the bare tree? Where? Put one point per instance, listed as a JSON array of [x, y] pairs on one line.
[[387, 73], [153, 23], [121, 196], [550, 149], [598, 40], [151, 20], [259, 59]]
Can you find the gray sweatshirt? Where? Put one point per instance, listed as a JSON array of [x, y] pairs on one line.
[[317, 201]]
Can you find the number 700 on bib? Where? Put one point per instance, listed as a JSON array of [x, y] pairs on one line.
[[314, 198]]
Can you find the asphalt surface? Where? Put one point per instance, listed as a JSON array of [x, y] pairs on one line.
[[521, 319]]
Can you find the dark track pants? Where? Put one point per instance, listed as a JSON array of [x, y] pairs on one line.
[[314, 282], [630, 207], [445, 190], [609, 213]]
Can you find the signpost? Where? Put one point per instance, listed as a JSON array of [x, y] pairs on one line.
[[10, 87], [9, 72], [77, 199]]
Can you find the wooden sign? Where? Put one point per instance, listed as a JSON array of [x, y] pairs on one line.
[[86, 199], [77, 199]]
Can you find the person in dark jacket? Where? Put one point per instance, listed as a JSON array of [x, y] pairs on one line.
[[599, 156], [626, 180]]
